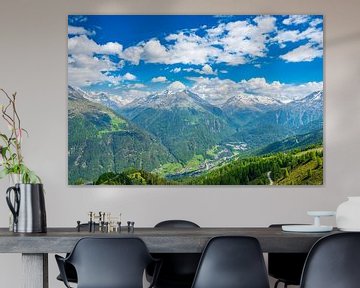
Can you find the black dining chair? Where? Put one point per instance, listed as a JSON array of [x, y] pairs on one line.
[[70, 271], [178, 269], [333, 262], [108, 263], [286, 267], [232, 262]]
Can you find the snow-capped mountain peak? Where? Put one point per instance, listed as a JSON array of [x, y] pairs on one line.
[[247, 100], [107, 99], [311, 100], [169, 99]]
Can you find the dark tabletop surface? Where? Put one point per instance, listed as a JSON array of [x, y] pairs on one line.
[[158, 240]]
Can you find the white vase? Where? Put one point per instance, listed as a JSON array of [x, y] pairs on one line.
[[348, 215], [14, 179]]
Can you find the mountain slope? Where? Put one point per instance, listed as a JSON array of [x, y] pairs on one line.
[[260, 124], [301, 113], [100, 141], [186, 124], [297, 141], [293, 167]]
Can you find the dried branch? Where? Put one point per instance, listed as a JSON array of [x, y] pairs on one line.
[[11, 156]]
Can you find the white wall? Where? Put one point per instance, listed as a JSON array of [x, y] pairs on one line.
[[33, 59]]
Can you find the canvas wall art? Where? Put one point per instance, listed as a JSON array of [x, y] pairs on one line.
[[195, 100]]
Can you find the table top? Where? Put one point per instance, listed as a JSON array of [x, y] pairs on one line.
[[158, 240]]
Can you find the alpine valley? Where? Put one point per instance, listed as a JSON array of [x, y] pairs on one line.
[[179, 137]]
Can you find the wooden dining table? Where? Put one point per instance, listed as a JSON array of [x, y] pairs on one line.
[[35, 247]]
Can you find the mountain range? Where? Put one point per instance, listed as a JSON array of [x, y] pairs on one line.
[[109, 134]]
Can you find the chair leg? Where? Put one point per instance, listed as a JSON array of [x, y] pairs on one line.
[[278, 282]]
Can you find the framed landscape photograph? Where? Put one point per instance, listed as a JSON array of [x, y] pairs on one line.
[[195, 100]]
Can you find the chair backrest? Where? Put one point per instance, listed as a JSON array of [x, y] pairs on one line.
[[232, 262], [176, 224], [110, 262], [333, 262], [177, 267]]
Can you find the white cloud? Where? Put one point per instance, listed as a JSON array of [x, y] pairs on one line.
[[77, 19], [190, 49], [86, 67], [304, 53], [265, 23], [244, 41], [232, 43], [91, 62], [159, 79], [218, 91], [316, 22], [111, 48], [311, 34], [314, 35], [85, 70], [82, 77], [232, 59], [133, 54], [302, 90], [214, 90], [278, 90], [154, 52], [296, 19], [130, 77], [175, 86], [187, 49], [75, 30], [288, 36], [137, 86], [207, 69], [216, 31], [83, 45]]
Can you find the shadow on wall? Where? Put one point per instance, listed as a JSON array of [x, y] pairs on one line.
[[345, 39]]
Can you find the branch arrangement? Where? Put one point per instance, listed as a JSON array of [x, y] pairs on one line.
[[11, 159]]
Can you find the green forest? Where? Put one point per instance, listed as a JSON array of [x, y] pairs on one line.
[[295, 167]]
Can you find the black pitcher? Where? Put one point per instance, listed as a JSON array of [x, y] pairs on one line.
[[28, 208]]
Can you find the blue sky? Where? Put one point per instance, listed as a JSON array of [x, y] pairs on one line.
[[133, 56]]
